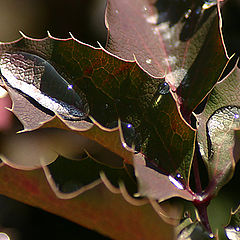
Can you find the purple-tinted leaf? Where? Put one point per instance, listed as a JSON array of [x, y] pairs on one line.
[[168, 42], [156, 185]]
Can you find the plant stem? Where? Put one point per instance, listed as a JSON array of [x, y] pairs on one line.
[[202, 211], [203, 200], [197, 178]]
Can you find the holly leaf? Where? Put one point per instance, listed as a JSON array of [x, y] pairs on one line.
[[218, 130], [109, 88], [170, 40]]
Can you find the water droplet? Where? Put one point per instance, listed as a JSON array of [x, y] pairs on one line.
[[155, 30], [4, 236], [237, 229], [163, 88], [131, 137], [208, 4], [116, 11], [35, 78], [191, 24], [145, 8], [223, 120], [129, 134], [211, 235], [175, 182], [236, 116], [187, 14], [178, 175], [70, 86], [149, 61]]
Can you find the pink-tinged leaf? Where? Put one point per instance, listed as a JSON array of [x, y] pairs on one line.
[[97, 209], [5, 115], [131, 29], [156, 185], [218, 131], [170, 42], [31, 118]]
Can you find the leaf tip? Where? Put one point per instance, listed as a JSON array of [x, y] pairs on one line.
[[22, 34]]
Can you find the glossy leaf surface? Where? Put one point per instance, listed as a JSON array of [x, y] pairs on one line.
[[219, 129], [168, 42], [113, 89]]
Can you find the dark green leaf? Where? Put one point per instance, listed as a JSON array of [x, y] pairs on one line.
[[218, 131]]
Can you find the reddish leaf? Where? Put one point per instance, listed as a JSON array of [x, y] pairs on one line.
[[150, 182], [170, 43], [96, 209]]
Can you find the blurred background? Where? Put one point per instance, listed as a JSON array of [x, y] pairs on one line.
[[85, 20]]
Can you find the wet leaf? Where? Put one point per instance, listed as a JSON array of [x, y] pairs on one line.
[[113, 89], [34, 77], [218, 130], [170, 39]]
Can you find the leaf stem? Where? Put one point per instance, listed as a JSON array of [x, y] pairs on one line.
[[197, 178], [202, 211], [203, 200]]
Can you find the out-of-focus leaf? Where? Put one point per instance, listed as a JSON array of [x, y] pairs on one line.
[[218, 130], [70, 178], [96, 209], [170, 40], [170, 211], [232, 230], [55, 138]]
